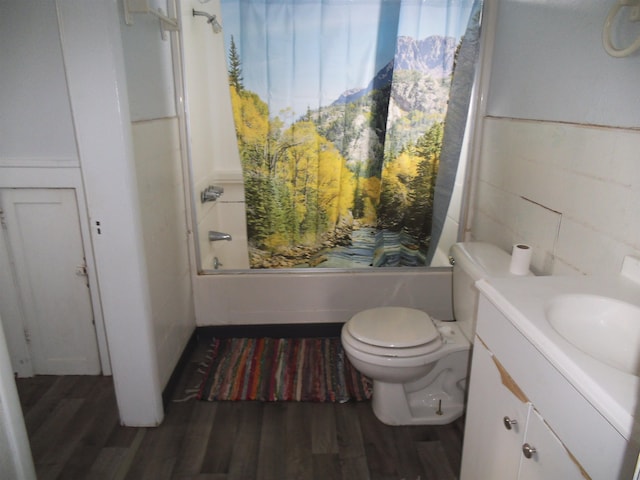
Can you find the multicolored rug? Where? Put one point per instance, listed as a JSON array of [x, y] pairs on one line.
[[281, 369]]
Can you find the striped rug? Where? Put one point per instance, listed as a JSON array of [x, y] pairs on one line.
[[281, 369]]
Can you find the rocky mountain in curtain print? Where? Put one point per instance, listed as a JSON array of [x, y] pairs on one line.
[[432, 56], [398, 112]]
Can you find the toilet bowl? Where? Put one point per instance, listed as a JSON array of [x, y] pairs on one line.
[[418, 364]]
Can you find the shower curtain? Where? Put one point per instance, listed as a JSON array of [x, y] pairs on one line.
[[341, 111]]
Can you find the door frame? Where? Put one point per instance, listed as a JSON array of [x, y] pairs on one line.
[[56, 173]]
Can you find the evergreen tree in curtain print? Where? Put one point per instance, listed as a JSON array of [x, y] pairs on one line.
[[339, 108]]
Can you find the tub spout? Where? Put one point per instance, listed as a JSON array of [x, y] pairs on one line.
[[215, 236]]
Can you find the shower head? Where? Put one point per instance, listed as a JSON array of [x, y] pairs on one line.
[[211, 19]]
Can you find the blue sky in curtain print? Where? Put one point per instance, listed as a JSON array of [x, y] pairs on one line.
[[299, 54]]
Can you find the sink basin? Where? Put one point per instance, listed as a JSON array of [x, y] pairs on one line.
[[604, 328]]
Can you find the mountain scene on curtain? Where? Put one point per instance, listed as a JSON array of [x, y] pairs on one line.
[[350, 183]]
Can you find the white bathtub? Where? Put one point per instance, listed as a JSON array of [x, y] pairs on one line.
[[281, 297]]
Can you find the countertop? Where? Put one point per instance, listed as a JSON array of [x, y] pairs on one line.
[[615, 394]]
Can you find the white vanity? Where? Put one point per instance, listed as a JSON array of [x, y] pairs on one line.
[[539, 407]]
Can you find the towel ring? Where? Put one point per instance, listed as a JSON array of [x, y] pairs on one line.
[[608, 24]]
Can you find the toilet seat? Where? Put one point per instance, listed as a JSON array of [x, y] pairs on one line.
[[393, 332]]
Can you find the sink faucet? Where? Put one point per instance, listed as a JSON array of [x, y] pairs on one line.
[[215, 236]]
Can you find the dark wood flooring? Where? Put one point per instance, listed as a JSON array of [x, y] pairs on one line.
[[74, 431]]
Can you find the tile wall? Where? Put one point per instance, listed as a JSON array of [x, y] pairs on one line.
[[571, 191]]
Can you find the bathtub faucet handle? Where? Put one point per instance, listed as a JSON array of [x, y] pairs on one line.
[[211, 193]]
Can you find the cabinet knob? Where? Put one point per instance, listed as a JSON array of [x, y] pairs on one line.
[[508, 423], [528, 450]]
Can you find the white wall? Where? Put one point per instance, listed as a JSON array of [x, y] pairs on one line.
[[559, 165], [38, 141], [94, 65], [148, 65], [38, 147], [36, 122], [160, 183], [66, 123], [166, 244], [549, 64]]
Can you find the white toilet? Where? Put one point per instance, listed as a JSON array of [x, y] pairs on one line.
[[419, 364]]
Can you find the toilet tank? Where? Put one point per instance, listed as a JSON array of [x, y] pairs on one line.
[[473, 261]]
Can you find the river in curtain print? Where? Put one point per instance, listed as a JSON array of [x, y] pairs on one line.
[[339, 110]]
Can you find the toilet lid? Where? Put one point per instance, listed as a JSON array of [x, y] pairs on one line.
[[397, 327]]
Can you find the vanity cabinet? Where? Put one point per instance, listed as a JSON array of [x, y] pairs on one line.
[[505, 437], [550, 459], [517, 400]]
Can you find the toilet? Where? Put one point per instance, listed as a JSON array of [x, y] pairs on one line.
[[419, 364]]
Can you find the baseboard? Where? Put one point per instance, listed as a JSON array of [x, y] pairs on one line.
[[289, 330], [169, 389]]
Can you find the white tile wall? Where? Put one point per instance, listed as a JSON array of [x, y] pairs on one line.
[[571, 191], [227, 214], [162, 204]]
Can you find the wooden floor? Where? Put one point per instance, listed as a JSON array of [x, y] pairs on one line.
[[75, 434]]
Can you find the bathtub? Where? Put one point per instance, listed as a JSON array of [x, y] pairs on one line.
[[232, 294], [325, 296]]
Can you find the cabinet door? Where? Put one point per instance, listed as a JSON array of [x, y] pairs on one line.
[[491, 450], [550, 459]]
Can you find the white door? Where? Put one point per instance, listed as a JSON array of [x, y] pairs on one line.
[[44, 240]]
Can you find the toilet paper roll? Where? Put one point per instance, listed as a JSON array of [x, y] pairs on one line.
[[520, 259]]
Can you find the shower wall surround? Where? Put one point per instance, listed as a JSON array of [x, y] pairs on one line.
[[211, 139]]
